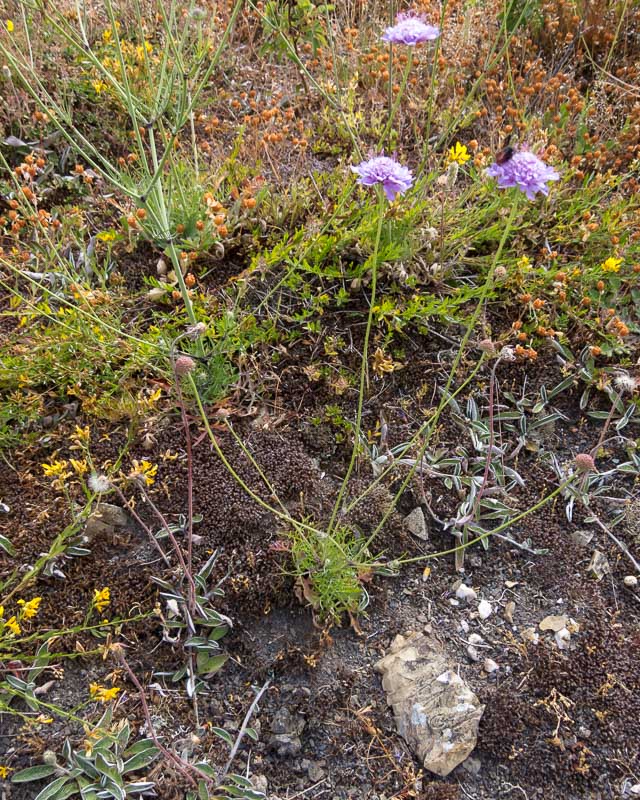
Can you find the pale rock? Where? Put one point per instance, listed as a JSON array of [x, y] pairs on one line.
[[417, 524], [509, 608], [630, 581], [464, 592], [435, 711], [490, 666], [563, 637], [473, 653], [485, 609], [599, 565], [554, 623]]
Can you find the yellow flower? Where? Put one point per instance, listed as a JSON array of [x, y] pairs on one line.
[[4, 771], [524, 262], [79, 466], [13, 626], [107, 236], [30, 608], [56, 469], [9, 25], [1, 612], [99, 86], [101, 598], [611, 264], [459, 153], [144, 469], [101, 694]]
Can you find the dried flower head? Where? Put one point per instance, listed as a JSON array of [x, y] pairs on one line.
[[525, 171], [393, 176], [626, 383], [584, 462], [98, 483], [184, 365], [196, 331], [410, 29]]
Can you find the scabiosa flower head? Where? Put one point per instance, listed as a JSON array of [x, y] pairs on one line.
[[395, 178], [410, 29], [184, 365], [584, 462], [525, 171]]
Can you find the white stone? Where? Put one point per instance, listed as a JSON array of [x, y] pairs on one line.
[[464, 592], [485, 609]]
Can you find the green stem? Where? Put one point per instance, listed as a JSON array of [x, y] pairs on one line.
[[396, 105], [286, 517], [365, 363], [488, 285], [540, 504]]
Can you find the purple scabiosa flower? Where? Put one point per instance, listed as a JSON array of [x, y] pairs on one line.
[[525, 171], [395, 178], [410, 29]]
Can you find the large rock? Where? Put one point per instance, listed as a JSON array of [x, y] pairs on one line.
[[435, 711]]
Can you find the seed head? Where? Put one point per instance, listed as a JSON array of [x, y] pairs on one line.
[[584, 462], [184, 365]]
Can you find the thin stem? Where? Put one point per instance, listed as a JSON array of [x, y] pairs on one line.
[[393, 109], [488, 285], [241, 732], [540, 504], [364, 366]]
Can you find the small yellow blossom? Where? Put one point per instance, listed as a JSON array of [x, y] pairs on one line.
[[9, 25], [101, 598], [30, 608], [4, 771], [56, 469], [80, 467], [1, 612], [101, 694], [108, 236], [524, 262], [144, 469], [611, 264], [13, 626], [459, 153], [99, 86]]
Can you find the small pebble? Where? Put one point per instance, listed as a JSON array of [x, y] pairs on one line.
[[490, 665], [464, 592], [475, 638], [630, 581], [485, 609], [473, 653]]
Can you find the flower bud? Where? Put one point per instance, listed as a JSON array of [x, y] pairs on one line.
[[500, 273], [487, 346], [184, 365], [584, 462]]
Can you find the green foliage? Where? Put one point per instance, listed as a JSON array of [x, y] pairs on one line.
[[104, 769], [297, 21], [331, 570]]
